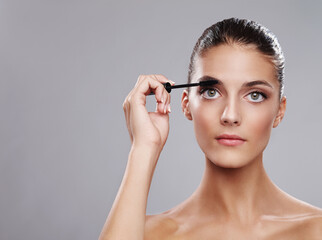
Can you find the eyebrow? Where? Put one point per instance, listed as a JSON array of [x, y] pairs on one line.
[[257, 82], [208, 78], [247, 84]]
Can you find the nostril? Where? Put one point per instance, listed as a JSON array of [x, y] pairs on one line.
[[230, 122]]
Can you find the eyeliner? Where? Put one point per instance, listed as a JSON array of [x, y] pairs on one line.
[[169, 87]]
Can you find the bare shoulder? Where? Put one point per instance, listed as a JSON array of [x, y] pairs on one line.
[[300, 221], [311, 226], [159, 226], [305, 220], [314, 222]]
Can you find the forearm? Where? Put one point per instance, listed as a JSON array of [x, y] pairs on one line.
[[126, 219]]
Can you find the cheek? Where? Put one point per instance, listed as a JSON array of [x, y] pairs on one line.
[[206, 118], [261, 122]]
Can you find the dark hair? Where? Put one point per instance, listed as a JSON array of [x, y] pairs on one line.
[[242, 32]]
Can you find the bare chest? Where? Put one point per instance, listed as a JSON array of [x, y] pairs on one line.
[[282, 230]]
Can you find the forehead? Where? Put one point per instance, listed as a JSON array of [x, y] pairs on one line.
[[236, 64]]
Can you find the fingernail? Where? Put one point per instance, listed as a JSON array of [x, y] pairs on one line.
[[169, 108], [162, 100], [165, 109], [171, 81]]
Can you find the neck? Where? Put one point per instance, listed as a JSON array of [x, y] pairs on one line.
[[241, 194]]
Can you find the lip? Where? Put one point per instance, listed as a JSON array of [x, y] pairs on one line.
[[230, 140]]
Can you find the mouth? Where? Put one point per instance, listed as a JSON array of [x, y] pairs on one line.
[[230, 140]]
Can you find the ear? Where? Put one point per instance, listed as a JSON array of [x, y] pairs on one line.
[[281, 112], [185, 104]]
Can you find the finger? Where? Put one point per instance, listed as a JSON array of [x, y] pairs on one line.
[[161, 99], [166, 97], [158, 77], [169, 101], [167, 108], [127, 112], [147, 85], [162, 78], [153, 83], [126, 108], [159, 94]]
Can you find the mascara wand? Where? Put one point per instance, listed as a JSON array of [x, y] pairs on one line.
[[169, 87]]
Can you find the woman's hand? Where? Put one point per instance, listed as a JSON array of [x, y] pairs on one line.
[[148, 133], [148, 128]]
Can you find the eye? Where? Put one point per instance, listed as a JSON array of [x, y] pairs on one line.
[[256, 96], [209, 93]]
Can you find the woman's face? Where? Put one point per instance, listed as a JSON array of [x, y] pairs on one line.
[[233, 119]]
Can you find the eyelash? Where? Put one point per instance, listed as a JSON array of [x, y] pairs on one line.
[[202, 90], [259, 92]]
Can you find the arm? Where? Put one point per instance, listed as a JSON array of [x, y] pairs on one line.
[[126, 219], [148, 133]]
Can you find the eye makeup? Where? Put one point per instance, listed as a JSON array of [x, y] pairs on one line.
[[209, 93], [253, 95], [201, 83], [256, 96]]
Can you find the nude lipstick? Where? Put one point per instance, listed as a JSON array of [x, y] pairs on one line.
[[230, 140]]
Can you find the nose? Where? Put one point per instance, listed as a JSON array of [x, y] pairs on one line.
[[231, 115]]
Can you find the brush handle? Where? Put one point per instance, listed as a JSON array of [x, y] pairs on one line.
[[169, 87]]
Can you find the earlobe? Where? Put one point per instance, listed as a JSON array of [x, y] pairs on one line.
[[281, 112], [276, 122], [185, 104]]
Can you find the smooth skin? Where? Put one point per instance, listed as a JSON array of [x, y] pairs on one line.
[[148, 133], [235, 199]]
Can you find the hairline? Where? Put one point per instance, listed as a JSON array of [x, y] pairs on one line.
[[235, 43]]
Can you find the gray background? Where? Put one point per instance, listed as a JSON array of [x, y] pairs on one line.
[[65, 69]]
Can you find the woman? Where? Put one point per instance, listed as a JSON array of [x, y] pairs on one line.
[[232, 120]]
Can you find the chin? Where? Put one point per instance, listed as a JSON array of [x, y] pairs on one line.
[[228, 160], [228, 164]]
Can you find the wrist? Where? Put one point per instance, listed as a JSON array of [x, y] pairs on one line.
[[144, 156], [149, 149]]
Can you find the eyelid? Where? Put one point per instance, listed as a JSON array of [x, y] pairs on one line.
[[250, 91], [264, 96], [263, 89], [203, 89], [206, 88]]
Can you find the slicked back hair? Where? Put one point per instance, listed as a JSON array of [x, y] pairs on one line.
[[242, 32]]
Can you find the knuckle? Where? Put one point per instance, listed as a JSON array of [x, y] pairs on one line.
[[124, 105], [131, 100], [141, 78], [139, 81], [160, 75], [128, 101]]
